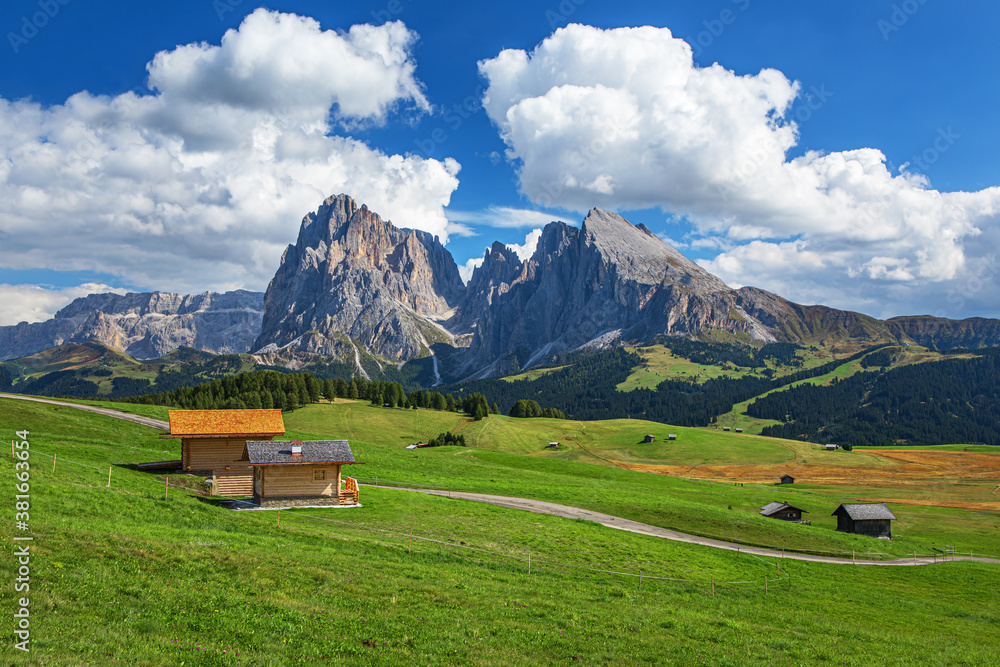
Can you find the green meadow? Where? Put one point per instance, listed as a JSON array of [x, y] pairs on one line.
[[119, 575]]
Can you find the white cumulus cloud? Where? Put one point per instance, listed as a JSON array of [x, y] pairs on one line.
[[624, 119], [200, 183], [33, 303], [525, 250]]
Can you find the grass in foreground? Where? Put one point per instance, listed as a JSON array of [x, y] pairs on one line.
[[121, 576]]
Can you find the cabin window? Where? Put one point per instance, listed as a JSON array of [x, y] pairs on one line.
[[319, 475]]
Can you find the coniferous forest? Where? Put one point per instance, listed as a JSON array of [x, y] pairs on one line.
[[950, 401]]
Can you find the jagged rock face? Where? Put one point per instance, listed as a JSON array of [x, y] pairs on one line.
[[145, 325], [354, 285], [603, 282], [491, 280], [352, 275]]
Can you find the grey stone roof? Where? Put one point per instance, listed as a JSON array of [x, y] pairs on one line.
[[866, 512], [273, 452], [775, 507]]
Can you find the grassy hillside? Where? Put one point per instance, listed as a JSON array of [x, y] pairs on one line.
[[120, 576], [50, 372], [507, 456]]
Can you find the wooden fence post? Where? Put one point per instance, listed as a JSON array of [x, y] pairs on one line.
[[640, 580], [765, 584], [165, 485], [54, 462], [109, 477], [279, 517], [713, 587]]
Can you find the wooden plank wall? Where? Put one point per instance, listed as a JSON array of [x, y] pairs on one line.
[[214, 453], [234, 484], [283, 481]]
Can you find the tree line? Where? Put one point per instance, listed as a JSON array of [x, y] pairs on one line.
[[586, 389], [288, 391]]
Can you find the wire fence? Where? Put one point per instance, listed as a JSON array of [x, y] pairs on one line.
[[765, 583]]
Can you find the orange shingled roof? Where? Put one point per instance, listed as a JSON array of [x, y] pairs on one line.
[[226, 422]]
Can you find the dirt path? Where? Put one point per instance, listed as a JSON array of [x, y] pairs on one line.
[[541, 507], [108, 412]]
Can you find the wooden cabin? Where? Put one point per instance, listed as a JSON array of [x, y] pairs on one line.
[[831, 448], [213, 443], [782, 511], [290, 474], [552, 445], [787, 479], [649, 438], [872, 519], [739, 430], [725, 428], [672, 436]]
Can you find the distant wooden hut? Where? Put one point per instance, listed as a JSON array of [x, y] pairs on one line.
[[552, 445], [725, 428], [738, 430], [787, 479], [288, 474], [672, 436], [872, 519], [832, 448], [649, 438], [213, 443], [782, 511]]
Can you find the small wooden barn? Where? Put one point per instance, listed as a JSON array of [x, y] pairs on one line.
[[213, 443], [872, 519], [787, 479], [738, 430], [831, 448], [289, 474], [649, 438], [672, 436], [782, 511], [725, 428]]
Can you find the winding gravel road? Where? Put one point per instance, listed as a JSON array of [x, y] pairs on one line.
[[542, 507]]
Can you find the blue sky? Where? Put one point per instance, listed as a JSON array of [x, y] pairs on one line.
[[915, 81]]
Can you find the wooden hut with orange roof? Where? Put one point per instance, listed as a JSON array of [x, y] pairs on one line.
[[213, 443]]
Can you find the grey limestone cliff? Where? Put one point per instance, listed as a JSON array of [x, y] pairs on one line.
[[354, 278], [144, 325]]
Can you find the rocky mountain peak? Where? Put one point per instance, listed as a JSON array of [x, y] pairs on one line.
[[353, 276], [641, 256]]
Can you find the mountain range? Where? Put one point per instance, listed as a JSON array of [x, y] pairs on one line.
[[355, 286]]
